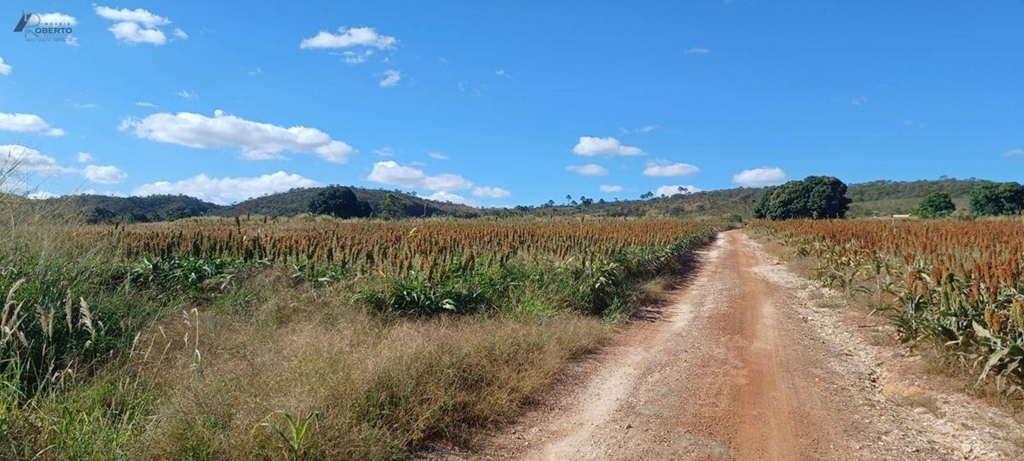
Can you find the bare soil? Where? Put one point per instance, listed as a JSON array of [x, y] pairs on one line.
[[750, 362]]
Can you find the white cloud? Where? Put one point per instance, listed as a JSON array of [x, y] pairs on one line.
[[391, 173], [5, 69], [29, 161], [27, 123], [697, 50], [228, 190], [589, 169], [57, 18], [356, 57], [437, 155], [391, 78], [764, 176], [256, 140], [137, 15], [662, 168], [642, 129], [1015, 153], [131, 32], [185, 94], [859, 100], [609, 188], [41, 195], [450, 197], [590, 146], [348, 38], [104, 174], [668, 191], [502, 73], [491, 192], [138, 25], [146, 104], [71, 40], [25, 160], [385, 151]]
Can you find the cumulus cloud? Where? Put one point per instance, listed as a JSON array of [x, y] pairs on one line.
[[610, 188], [391, 173], [137, 26], [443, 196], [137, 15], [391, 78], [663, 168], [437, 155], [29, 161], [677, 189], [130, 32], [348, 38], [228, 190], [1015, 153], [57, 18], [590, 146], [27, 123], [589, 169], [256, 140], [104, 174], [5, 69], [764, 176], [491, 192]]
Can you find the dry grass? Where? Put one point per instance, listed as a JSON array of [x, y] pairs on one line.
[[381, 388]]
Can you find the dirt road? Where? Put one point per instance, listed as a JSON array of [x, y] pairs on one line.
[[743, 365]]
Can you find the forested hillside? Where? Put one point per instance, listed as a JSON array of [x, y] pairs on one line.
[[876, 198]]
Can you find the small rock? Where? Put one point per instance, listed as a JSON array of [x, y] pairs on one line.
[[966, 448], [629, 426]]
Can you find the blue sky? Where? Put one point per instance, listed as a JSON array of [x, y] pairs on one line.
[[505, 105]]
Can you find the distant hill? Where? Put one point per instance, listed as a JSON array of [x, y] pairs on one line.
[[296, 201], [103, 208], [876, 198]]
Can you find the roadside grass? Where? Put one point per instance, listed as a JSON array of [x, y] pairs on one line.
[[950, 371], [212, 358]]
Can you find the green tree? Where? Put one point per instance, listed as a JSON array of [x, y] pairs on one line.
[[936, 205], [392, 207], [816, 197], [339, 202], [997, 198], [100, 215]]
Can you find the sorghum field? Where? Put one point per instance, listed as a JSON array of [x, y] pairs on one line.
[[959, 285], [302, 338]]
